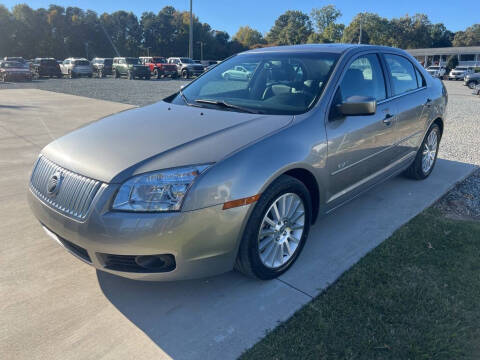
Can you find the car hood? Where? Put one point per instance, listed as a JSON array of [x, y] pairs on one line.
[[158, 136], [16, 70]]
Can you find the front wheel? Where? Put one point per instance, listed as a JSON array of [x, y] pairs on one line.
[[185, 74], [472, 84], [130, 76], [276, 231], [426, 156]]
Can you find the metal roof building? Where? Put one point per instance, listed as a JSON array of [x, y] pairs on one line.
[[467, 55]]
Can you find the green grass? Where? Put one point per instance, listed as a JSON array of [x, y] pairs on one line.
[[416, 296]]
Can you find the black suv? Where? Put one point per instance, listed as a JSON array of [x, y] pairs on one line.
[[102, 66], [130, 67], [46, 67]]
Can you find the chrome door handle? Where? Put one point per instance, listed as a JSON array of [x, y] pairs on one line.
[[388, 119]]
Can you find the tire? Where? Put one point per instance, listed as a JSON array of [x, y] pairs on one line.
[[416, 170], [157, 74], [254, 261], [185, 74], [130, 75], [147, 77], [100, 74], [70, 74], [472, 84], [117, 74], [4, 78]]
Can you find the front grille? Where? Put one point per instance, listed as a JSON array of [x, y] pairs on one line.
[[74, 195]]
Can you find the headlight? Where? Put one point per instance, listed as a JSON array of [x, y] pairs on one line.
[[162, 190]]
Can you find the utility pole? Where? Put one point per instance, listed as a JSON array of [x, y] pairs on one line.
[[201, 49], [190, 40], [360, 36]]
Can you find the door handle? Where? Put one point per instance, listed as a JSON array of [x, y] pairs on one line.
[[428, 103], [387, 120]]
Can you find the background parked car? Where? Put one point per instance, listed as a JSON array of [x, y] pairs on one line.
[[239, 72], [130, 67], [186, 67], [45, 67], [159, 66], [21, 60], [76, 67], [459, 73], [436, 71], [14, 71], [472, 80], [102, 66]]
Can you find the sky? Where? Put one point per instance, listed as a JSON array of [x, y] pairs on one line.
[[229, 15]]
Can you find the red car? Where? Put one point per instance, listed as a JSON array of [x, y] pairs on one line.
[[159, 67]]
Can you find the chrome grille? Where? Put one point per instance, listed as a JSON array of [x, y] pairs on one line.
[[75, 194]]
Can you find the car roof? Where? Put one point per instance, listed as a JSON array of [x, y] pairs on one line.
[[325, 48]]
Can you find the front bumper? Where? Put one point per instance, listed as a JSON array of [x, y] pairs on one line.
[[203, 242], [18, 76], [456, 76]]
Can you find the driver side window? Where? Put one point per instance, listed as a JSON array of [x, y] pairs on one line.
[[364, 77]]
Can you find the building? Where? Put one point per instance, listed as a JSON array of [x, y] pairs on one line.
[[467, 56]]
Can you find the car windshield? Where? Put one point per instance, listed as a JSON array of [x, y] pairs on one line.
[[81, 62], [186, 61], [266, 83], [12, 64], [132, 61], [461, 68], [159, 60], [48, 62]]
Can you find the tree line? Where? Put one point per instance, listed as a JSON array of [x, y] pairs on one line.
[[62, 32]]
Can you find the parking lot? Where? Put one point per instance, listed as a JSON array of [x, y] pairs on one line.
[[54, 306], [133, 92]]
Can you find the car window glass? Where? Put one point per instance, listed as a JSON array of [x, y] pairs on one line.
[[420, 79], [364, 77], [402, 73], [270, 83]]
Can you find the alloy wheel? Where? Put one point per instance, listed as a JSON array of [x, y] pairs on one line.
[[430, 151], [281, 230]]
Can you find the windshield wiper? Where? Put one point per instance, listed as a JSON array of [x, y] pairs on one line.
[[186, 100], [227, 105]]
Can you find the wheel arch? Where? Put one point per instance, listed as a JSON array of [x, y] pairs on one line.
[[439, 122], [308, 179]]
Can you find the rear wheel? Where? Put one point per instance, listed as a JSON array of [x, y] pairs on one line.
[[130, 75], [276, 230], [185, 74], [426, 156], [472, 84]]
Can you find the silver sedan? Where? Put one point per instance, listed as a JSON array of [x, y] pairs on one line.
[[231, 174]]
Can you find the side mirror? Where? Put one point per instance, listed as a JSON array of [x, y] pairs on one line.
[[358, 105]]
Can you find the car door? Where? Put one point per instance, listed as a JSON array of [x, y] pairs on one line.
[[361, 146], [410, 94]]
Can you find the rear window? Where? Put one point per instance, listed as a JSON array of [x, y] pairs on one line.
[[81, 62]]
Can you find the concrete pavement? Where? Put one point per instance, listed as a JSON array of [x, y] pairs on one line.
[[53, 306]]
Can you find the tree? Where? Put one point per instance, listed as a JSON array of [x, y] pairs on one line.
[[375, 30], [248, 36], [469, 37], [292, 27], [324, 17]]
